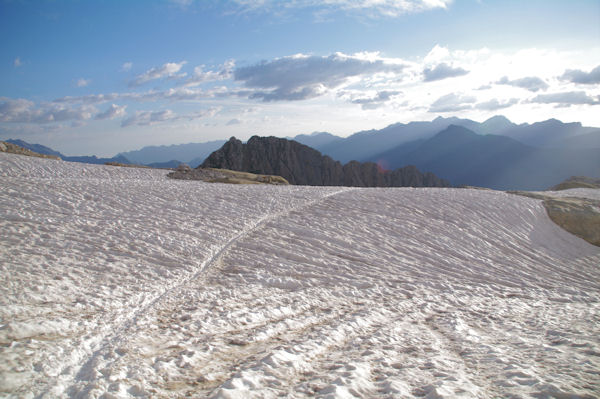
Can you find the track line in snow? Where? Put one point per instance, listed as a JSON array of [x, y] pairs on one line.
[[86, 367]]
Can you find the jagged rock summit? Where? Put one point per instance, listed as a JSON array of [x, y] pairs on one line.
[[303, 165]]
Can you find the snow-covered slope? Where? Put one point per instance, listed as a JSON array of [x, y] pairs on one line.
[[118, 282]]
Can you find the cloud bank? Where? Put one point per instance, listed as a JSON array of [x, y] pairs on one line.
[[376, 101], [581, 77], [369, 8], [494, 104], [531, 83], [201, 76], [81, 82], [25, 111], [146, 118], [442, 71], [168, 70], [336, 87], [112, 112], [302, 77], [567, 98], [452, 102]]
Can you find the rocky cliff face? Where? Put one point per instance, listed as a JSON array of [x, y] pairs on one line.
[[302, 165]]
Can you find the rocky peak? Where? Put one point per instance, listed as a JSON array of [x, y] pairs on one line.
[[303, 165]]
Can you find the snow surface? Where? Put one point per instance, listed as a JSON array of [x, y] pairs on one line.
[[122, 283]]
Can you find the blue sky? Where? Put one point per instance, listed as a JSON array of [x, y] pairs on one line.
[[102, 77]]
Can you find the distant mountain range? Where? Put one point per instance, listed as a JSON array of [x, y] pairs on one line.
[[154, 156], [40, 149], [500, 162], [193, 154], [318, 140], [496, 153], [365, 145]]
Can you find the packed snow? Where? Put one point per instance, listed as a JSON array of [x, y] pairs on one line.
[[122, 283]]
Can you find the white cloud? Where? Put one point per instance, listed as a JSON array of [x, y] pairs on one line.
[[581, 77], [172, 94], [145, 118], [25, 111], [330, 88], [376, 101], [369, 8], [17, 63], [233, 121], [112, 112], [81, 82], [494, 104], [566, 98], [201, 76], [452, 102], [531, 83], [301, 77], [436, 55], [168, 70], [126, 66], [15, 110], [442, 71]]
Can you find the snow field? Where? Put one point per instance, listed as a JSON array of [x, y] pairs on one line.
[[122, 283]]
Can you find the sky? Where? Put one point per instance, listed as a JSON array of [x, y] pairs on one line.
[[102, 77]]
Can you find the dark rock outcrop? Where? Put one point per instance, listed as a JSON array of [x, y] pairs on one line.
[[302, 165]]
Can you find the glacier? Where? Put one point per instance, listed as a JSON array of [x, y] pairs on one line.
[[122, 283]]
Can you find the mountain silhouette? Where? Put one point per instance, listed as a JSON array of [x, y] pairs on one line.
[[303, 165], [500, 162]]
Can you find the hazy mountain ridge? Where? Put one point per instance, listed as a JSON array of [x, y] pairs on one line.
[[41, 149], [303, 165], [500, 162], [366, 145], [551, 133], [317, 140], [362, 146], [191, 153]]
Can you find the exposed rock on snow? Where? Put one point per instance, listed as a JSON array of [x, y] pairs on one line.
[[15, 149], [579, 216], [120, 283], [212, 175], [126, 165], [577, 182]]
